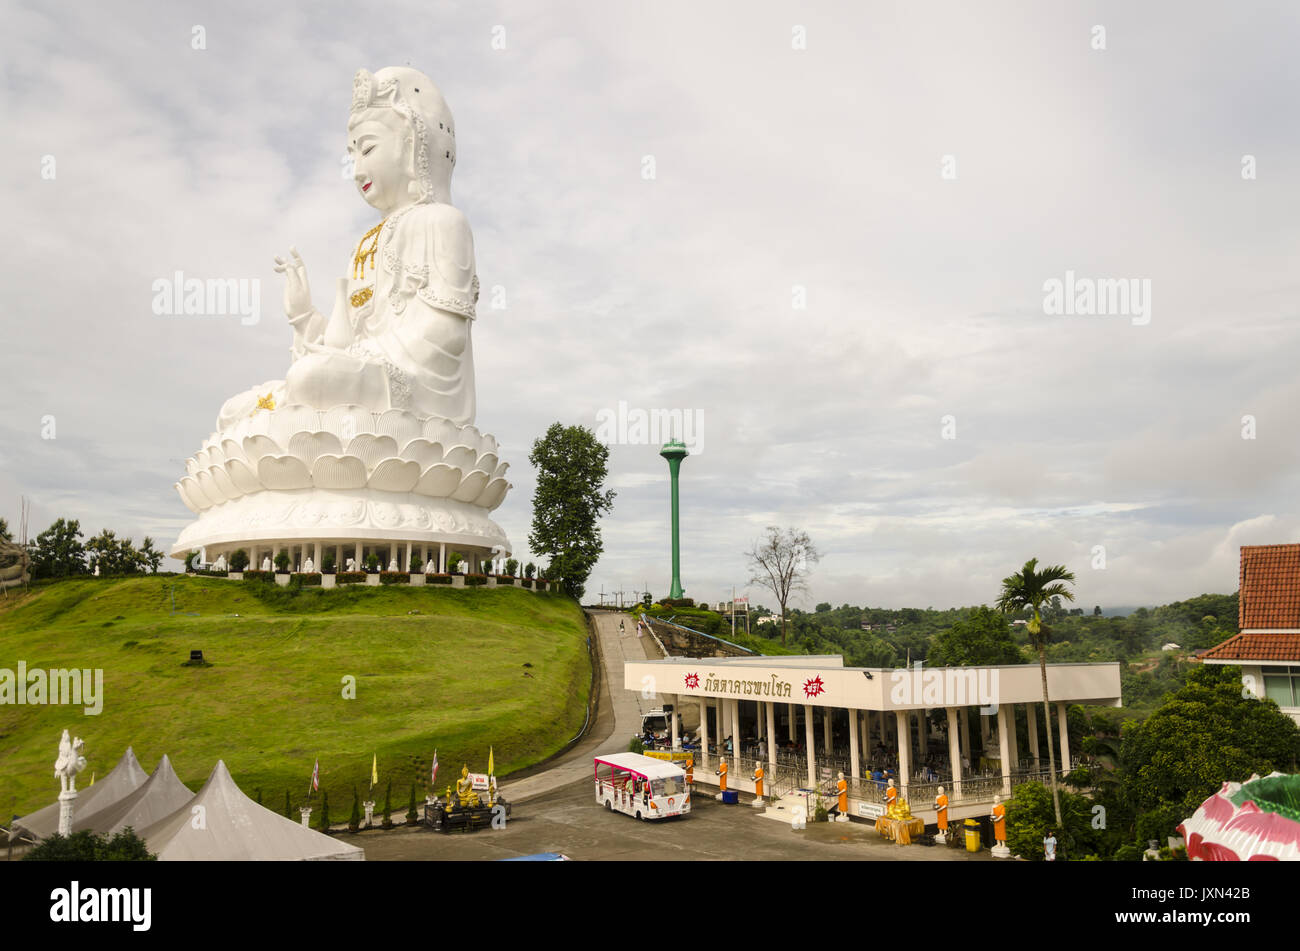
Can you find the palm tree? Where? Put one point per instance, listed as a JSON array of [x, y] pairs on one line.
[[1029, 589]]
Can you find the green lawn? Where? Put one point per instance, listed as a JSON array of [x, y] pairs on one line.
[[455, 669]]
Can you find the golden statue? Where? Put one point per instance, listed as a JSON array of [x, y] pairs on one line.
[[465, 790]]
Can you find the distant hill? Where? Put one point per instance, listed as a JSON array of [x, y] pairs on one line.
[[455, 669]]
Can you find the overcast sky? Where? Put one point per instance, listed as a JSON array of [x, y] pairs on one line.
[[780, 173]]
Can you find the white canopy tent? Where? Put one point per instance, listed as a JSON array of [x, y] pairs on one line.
[[160, 796], [222, 824], [126, 777]]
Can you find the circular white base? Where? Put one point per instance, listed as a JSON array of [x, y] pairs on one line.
[[333, 516]]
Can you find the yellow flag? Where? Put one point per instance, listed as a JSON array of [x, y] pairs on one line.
[[374, 772], [491, 771]]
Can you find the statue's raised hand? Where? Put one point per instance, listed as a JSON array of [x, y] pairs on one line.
[[297, 293]]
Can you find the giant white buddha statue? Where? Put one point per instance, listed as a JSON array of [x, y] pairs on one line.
[[369, 440]]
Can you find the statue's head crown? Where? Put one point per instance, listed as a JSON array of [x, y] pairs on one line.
[[414, 97]]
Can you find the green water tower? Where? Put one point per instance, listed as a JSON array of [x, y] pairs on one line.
[[675, 451]]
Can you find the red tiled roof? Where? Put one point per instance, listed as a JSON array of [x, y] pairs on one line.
[[1270, 587], [1257, 647]]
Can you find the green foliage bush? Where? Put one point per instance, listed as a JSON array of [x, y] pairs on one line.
[[1030, 814], [327, 563], [304, 580], [282, 561], [472, 581], [512, 567], [530, 569], [527, 582], [372, 563], [387, 822], [86, 846], [239, 560], [354, 821], [412, 817], [394, 577], [259, 576], [350, 577], [453, 562], [437, 579], [323, 820]]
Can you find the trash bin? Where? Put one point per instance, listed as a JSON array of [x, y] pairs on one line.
[[730, 797], [972, 835]]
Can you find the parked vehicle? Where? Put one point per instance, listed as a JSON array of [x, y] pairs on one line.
[[641, 786]]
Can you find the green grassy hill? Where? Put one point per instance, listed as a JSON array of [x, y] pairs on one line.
[[455, 669]]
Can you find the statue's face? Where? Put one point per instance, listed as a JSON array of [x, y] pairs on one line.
[[381, 145]]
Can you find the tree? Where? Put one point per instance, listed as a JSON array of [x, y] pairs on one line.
[[153, 558], [323, 824], [354, 821], [113, 555], [412, 817], [1029, 817], [388, 807], [87, 846], [288, 809], [5, 534], [981, 639], [1030, 589], [1204, 734], [780, 564], [58, 551], [282, 561], [568, 502], [238, 560]]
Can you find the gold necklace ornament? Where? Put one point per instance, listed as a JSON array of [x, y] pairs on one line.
[[365, 253]]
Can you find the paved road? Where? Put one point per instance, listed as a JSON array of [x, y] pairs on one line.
[[618, 715], [570, 821]]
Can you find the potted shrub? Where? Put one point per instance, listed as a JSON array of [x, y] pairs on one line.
[[238, 562], [512, 569], [282, 567]]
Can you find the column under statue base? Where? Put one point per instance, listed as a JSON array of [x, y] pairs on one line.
[[67, 802], [306, 816]]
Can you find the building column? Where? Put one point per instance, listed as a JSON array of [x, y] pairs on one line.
[[1031, 716], [735, 728], [808, 743], [1065, 736], [963, 719], [1004, 748], [360, 565], [826, 731], [984, 731], [704, 725], [442, 558], [409, 546], [854, 771], [904, 749], [790, 709], [954, 751], [771, 733], [1013, 740], [677, 735], [925, 734]]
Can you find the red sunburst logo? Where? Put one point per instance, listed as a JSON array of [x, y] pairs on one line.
[[814, 687], [692, 681]]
